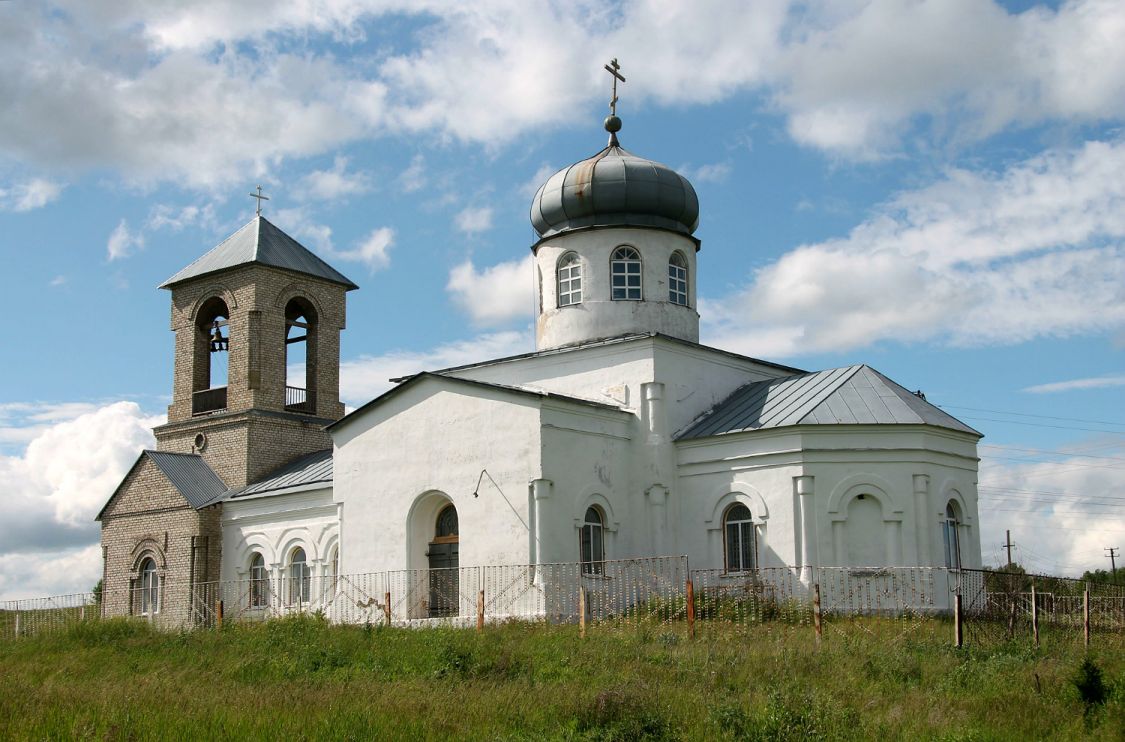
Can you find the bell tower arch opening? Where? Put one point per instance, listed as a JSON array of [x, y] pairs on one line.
[[301, 326], [210, 362]]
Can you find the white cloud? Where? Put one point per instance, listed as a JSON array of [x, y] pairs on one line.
[[496, 295], [373, 251], [31, 194], [366, 377], [207, 92], [531, 186], [166, 216], [1097, 382], [1061, 510], [971, 259], [334, 184], [53, 489], [715, 172], [472, 220], [122, 241], [413, 178], [57, 281]]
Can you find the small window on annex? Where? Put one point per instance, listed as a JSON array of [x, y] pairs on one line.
[[950, 526], [300, 578], [678, 279], [592, 542], [147, 601], [259, 582], [570, 280], [740, 551], [625, 274]]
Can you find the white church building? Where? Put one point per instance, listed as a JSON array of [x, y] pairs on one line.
[[620, 436]]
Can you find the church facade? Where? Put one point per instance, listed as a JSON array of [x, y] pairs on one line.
[[620, 436]]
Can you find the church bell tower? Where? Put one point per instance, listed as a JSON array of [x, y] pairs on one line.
[[257, 322]]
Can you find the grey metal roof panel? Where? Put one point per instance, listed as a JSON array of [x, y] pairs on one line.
[[315, 468], [852, 395], [191, 476], [260, 242]]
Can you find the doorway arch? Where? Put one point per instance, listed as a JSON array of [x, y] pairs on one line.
[[444, 562]]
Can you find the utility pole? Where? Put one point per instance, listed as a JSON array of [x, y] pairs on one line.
[[1008, 545], [1112, 554]]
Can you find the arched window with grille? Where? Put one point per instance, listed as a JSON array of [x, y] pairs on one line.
[[678, 279], [148, 598], [625, 274], [570, 280], [950, 526], [300, 578], [259, 582], [740, 550], [592, 541]]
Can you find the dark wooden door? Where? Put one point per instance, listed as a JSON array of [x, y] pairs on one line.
[[444, 583]]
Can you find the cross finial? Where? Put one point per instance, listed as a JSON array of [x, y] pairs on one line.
[[260, 198], [614, 68]]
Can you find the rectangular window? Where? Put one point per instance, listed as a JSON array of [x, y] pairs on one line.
[[677, 285], [740, 546], [570, 284], [627, 279]]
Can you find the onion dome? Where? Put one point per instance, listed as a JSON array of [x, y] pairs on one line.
[[615, 188]]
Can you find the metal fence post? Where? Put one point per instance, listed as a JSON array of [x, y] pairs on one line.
[[1034, 615], [817, 626], [690, 608], [958, 626]]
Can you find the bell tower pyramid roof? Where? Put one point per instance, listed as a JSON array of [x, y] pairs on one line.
[[261, 242]]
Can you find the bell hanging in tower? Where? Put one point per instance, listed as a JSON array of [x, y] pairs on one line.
[[218, 342]]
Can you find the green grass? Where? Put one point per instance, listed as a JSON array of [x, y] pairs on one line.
[[302, 679]]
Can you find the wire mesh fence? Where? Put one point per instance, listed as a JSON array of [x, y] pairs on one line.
[[828, 603]]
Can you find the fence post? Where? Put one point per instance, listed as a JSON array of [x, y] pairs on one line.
[[958, 625], [1034, 615], [582, 612], [690, 608], [387, 607], [218, 614], [1086, 614], [480, 611], [17, 622], [816, 612]]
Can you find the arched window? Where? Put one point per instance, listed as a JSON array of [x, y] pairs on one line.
[[209, 370], [570, 280], [446, 525], [259, 582], [951, 537], [300, 356], [625, 274], [738, 534], [300, 577], [149, 599], [593, 542], [677, 279]]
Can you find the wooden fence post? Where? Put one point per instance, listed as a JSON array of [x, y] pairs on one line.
[[1086, 614], [480, 611], [218, 614], [582, 612], [690, 608], [1034, 615], [387, 607], [958, 626], [816, 617]]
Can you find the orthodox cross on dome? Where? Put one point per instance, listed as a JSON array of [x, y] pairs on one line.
[[614, 68], [260, 198]]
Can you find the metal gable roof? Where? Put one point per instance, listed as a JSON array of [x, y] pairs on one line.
[[261, 242], [191, 476], [853, 395], [314, 468]]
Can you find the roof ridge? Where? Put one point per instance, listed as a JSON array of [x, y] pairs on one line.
[[185, 269]]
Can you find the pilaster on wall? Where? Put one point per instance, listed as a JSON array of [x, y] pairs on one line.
[[922, 519], [806, 497]]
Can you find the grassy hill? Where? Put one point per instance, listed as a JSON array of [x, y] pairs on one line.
[[303, 679]]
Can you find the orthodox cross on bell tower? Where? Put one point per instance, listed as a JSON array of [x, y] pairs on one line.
[[614, 68], [262, 198]]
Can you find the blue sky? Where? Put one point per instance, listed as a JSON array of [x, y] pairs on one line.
[[933, 188]]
